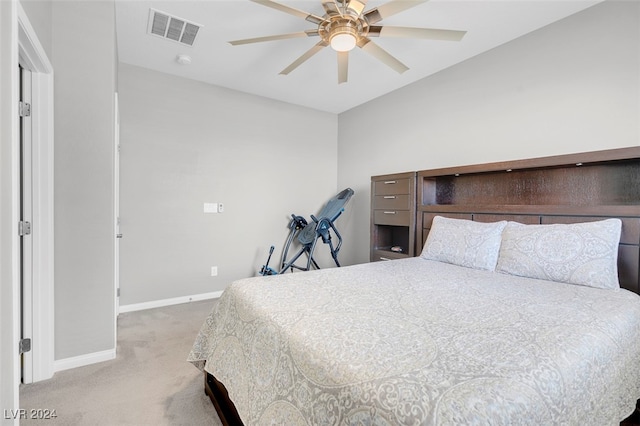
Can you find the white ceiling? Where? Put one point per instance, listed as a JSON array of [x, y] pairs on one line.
[[255, 68]]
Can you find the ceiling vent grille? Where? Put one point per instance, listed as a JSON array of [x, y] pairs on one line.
[[170, 27]]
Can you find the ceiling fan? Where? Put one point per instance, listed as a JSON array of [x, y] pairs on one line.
[[346, 25]]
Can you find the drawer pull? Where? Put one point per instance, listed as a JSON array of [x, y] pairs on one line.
[[389, 182], [384, 258], [389, 197], [389, 212]]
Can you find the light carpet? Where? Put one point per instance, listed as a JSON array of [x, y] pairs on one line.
[[149, 383]]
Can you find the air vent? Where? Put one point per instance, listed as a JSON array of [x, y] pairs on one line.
[[171, 27]]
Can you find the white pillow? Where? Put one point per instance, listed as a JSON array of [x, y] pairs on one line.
[[577, 253], [464, 242]]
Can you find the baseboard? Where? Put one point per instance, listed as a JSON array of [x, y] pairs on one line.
[[82, 360], [96, 357], [168, 302]]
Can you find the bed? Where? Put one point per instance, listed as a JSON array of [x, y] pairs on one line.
[[487, 332]]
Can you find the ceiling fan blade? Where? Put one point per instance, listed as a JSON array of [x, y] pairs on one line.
[[425, 33], [290, 10], [274, 37], [382, 55], [309, 53], [343, 66], [357, 6], [331, 8], [389, 9]]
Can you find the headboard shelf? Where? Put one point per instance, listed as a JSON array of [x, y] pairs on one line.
[[611, 184], [609, 156]]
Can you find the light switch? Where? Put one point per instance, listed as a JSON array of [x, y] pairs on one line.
[[211, 207]]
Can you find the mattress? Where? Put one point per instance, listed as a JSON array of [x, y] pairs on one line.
[[419, 342]]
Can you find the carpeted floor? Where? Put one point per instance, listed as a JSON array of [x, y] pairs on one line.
[[149, 383]]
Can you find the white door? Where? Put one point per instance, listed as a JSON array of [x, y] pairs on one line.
[[26, 219]]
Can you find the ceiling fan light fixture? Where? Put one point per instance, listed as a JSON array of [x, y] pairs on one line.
[[343, 39]]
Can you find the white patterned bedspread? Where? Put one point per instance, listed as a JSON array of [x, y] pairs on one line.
[[418, 342]]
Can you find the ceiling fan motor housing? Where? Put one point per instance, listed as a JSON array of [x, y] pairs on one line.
[[342, 32]]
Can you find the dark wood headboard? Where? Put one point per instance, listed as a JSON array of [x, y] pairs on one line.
[[560, 189]]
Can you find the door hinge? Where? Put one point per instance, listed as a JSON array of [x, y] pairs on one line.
[[24, 228], [118, 292], [24, 109], [24, 346]]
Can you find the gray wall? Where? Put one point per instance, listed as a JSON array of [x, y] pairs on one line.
[[185, 143], [572, 86], [39, 13], [84, 69]]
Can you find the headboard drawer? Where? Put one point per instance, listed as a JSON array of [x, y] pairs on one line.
[[392, 186], [630, 225], [427, 217], [628, 267], [391, 217], [391, 202]]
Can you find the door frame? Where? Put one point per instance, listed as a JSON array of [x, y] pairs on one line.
[[9, 244], [116, 215], [33, 57]]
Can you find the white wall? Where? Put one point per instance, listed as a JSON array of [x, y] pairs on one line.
[[185, 143], [572, 86], [39, 12], [83, 59]]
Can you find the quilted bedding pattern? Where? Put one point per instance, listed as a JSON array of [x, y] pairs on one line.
[[418, 342]]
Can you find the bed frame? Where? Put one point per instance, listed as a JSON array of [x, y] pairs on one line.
[[560, 189], [219, 396]]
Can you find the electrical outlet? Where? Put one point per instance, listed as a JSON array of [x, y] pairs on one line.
[[214, 271], [220, 207]]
